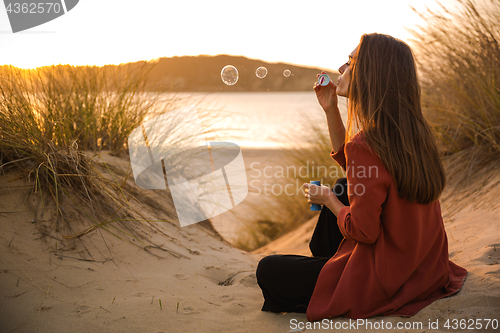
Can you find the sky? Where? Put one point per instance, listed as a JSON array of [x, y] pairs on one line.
[[312, 33]]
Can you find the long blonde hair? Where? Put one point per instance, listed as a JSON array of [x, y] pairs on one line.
[[384, 102]]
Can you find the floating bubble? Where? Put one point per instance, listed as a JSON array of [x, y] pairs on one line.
[[261, 72], [287, 73], [229, 75], [323, 80]]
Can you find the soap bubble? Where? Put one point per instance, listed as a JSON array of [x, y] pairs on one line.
[[261, 72], [323, 80], [287, 73], [229, 75]]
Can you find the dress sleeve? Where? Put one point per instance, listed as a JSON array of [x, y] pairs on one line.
[[368, 184], [339, 156]]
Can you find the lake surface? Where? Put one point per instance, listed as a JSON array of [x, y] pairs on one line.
[[259, 119]]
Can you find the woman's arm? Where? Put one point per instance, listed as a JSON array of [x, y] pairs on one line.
[[335, 128], [327, 98], [334, 204], [368, 186]]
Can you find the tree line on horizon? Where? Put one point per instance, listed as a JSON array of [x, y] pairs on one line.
[[199, 74], [203, 73]]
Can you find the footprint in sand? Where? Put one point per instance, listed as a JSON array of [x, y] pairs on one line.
[[180, 276], [226, 298], [492, 256], [495, 273], [82, 309], [218, 275], [484, 301], [249, 281], [189, 310]]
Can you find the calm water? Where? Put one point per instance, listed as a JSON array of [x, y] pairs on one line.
[[260, 119]]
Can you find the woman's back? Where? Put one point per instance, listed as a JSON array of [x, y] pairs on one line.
[[394, 258]]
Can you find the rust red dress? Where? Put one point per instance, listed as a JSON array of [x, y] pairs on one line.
[[394, 258]]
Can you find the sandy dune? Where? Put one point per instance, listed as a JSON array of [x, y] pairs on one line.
[[194, 282]]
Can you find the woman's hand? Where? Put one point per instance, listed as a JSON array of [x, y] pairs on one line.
[[323, 195], [326, 95], [318, 194]]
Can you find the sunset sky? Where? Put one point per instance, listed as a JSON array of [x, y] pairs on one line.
[[311, 33]]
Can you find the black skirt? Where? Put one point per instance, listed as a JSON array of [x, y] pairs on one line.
[[287, 281]]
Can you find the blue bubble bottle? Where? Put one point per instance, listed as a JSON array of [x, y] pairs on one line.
[[315, 207]]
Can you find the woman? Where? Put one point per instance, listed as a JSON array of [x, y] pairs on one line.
[[379, 246]]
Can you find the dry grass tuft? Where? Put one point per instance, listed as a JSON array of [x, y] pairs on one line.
[[458, 55], [54, 122]]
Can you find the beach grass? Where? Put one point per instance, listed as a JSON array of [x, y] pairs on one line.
[[54, 123], [458, 56]]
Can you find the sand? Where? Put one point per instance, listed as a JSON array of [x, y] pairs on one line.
[[197, 282]]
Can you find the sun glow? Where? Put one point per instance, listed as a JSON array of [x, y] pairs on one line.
[[318, 34]]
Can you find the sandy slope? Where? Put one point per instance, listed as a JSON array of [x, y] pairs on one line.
[[102, 284]]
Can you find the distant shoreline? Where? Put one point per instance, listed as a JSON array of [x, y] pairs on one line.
[[203, 74]]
